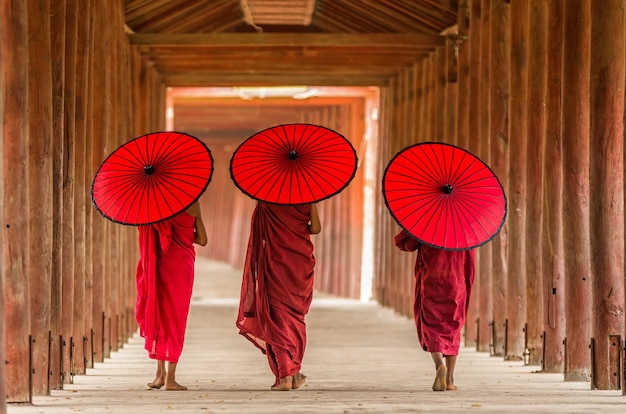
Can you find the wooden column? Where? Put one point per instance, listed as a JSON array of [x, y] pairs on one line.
[[3, 373], [499, 139], [607, 189], [57, 52], [552, 241], [80, 324], [15, 127], [69, 161], [537, 74], [576, 70], [480, 87], [516, 253], [39, 189], [463, 48]]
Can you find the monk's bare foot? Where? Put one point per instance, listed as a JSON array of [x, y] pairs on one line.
[[156, 384], [440, 379], [450, 387], [175, 387], [298, 380], [284, 384]]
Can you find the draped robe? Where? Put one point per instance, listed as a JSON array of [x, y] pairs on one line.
[[277, 285], [443, 283], [164, 279]]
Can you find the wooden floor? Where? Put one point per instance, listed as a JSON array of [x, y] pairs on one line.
[[360, 358]]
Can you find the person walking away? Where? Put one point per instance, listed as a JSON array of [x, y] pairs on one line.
[[165, 275], [277, 287], [443, 284]]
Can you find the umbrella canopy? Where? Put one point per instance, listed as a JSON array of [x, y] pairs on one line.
[[444, 196], [293, 164], [152, 178]]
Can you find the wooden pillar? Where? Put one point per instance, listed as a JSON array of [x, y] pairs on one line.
[[80, 325], [57, 36], [576, 70], [552, 241], [39, 189], [537, 75], [15, 127], [607, 189], [3, 373], [479, 126], [499, 139], [516, 303], [439, 83], [463, 48], [69, 249]]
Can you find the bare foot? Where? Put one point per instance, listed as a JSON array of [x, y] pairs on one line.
[[450, 387], [284, 384], [175, 387], [156, 384], [298, 380], [440, 379]]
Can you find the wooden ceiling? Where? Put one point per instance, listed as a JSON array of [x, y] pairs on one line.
[[286, 42]]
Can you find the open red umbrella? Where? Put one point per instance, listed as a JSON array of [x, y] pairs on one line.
[[293, 164], [152, 178], [444, 196]]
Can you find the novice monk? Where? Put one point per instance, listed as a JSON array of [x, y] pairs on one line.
[[277, 287], [165, 276], [443, 283]]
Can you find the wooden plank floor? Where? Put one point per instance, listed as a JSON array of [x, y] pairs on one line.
[[360, 358]]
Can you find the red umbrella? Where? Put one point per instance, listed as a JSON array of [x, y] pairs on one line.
[[444, 196], [293, 164], [152, 178]]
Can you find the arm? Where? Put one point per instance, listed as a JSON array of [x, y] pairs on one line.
[[200, 231], [315, 226]]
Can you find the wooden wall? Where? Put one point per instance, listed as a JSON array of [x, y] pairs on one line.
[[72, 92], [546, 112]]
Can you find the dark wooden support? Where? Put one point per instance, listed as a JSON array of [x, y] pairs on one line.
[[40, 186], [57, 54], [499, 65], [575, 122], [492, 336], [15, 142], [479, 127], [615, 362], [552, 244], [536, 114], [608, 75], [516, 302]]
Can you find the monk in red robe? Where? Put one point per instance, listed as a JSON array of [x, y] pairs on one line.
[[165, 275], [443, 283], [277, 287]]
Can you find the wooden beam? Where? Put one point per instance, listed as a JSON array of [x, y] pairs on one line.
[[385, 40]]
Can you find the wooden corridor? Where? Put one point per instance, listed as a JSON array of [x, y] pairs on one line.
[[535, 88]]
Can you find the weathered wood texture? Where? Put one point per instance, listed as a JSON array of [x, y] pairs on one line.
[[537, 75], [15, 178], [3, 374], [61, 86], [552, 201], [576, 83], [607, 190], [518, 144]]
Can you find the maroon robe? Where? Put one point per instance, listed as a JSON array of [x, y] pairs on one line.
[[165, 274], [277, 285], [443, 283]]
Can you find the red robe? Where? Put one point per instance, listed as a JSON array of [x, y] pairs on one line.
[[277, 285], [165, 274], [443, 283]]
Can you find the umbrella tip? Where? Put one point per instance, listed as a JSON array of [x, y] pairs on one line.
[[447, 189], [148, 169], [293, 155]]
